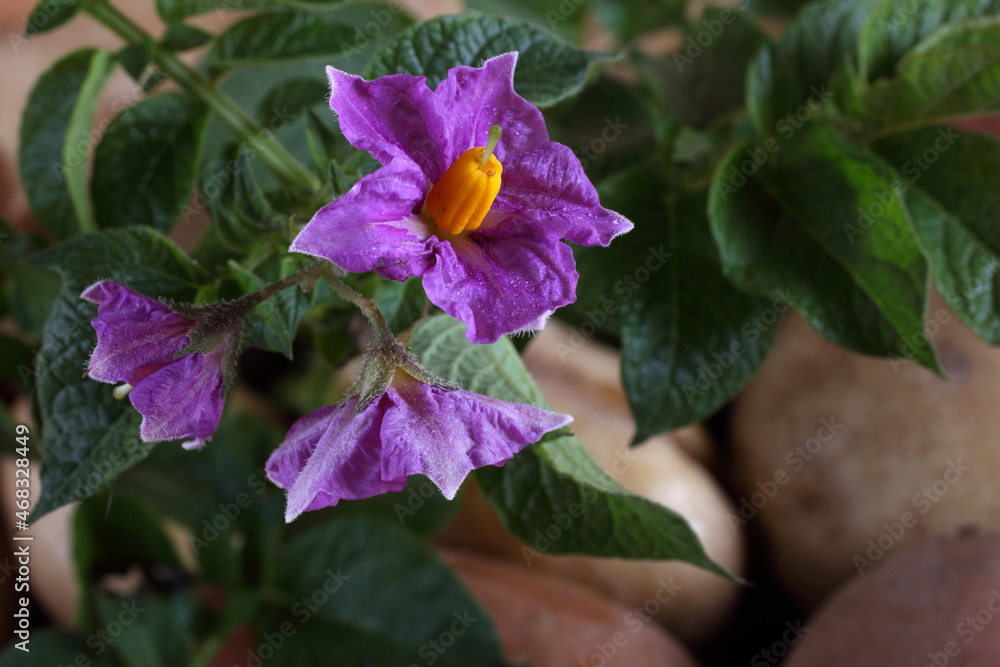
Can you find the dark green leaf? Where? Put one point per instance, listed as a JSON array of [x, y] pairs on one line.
[[291, 97], [273, 324], [323, 142], [180, 37], [309, 644], [49, 15], [556, 477], [145, 166], [821, 221], [49, 647], [56, 141], [893, 28], [155, 632], [801, 65], [286, 36], [90, 437], [173, 10], [548, 69], [706, 83], [361, 573], [951, 193], [402, 303], [230, 191], [776, 7], [110, 533], [690, 339], [629, 18], [953, 72], [135, 58]]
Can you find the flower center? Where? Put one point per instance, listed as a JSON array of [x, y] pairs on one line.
[[463, 196]]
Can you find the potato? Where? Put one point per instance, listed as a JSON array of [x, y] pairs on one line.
[[545, 620], [582, 379], [932, 605], [842, 459]]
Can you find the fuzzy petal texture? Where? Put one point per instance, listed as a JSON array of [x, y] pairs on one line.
[[136, 335], [473, 99], [373, 225], [333, 454], [508, 279], [182, 400], [447, 434], [548, 186]]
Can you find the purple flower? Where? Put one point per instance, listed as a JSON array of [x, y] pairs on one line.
[[333, 454], [138, 340], [479, 214]]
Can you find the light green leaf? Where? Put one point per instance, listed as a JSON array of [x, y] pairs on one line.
[[90, 437], [953, 72], [175, 10], [56, 141], [893, 28], [555, 476], [690, 339], [951, 191], [548, 69], [281, 37], [820, 220], [145, 166]]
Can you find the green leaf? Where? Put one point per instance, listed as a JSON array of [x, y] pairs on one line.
[[174, 10], [381, 580], [180, 37], [402, 303], [706, 83], [113, 531], [953, 72], [951, 194], [135, 59], [49, 647], [90, 437], [323, 143], [690, 339], [56, 141], [293, 96], [286, 36], [776, 7], [800, 223], [557, 476], [819, 44], [274, 323], [309, 644], [630, 18], [893, 28], [49, 15], [145, 167], [158, 633], [548, 69]]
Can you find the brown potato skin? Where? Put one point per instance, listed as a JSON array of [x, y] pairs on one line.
[[888, 442], [581, 378], [918, 609], [545, 620]]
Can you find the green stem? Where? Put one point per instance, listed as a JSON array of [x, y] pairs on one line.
[[383, 336], [273, 154]]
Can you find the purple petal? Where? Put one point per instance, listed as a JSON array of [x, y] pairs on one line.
[[391, 117], [373, 225], [446, 434], [136, 335], [508, 279], [549, 187], [472, 99], [182, 399], [332, 455]]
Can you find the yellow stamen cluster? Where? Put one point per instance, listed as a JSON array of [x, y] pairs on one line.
[[460, 200]]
